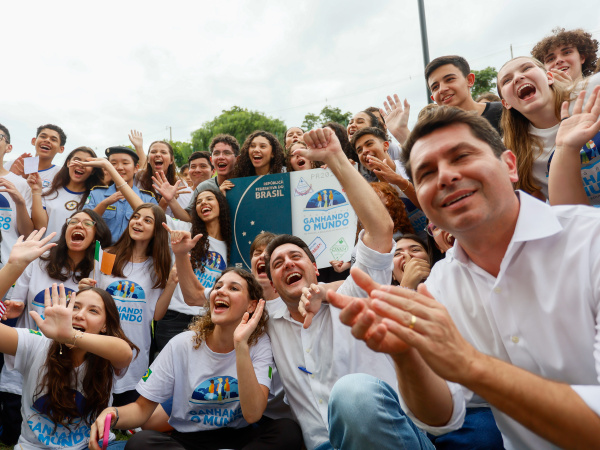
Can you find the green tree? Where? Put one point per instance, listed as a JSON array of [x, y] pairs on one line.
[[485, 81], [238, 122], [181, 150], [328, 114]]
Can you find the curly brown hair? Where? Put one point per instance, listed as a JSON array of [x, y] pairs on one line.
[[97, 381], [200, 251], [203, 326], [395, 207], [243, 165], [586, 46]]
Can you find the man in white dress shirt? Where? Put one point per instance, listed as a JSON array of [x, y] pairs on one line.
[[513, 312], [311, 360]]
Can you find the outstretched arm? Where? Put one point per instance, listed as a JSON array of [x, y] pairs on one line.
[[137, 140], [324, 146], [565, 186], [396, 117]]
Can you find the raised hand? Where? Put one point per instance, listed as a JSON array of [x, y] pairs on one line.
[[18, 166], [13, 309], [28, 250], [562, 76], [248, 325], [10, 189], [310, 302], [396, 117], [323, 145], [181, 241], [103, 163], [86, 283], [114, 198], [583, 124], [225, 186], [416, 270], [35, 183], [161, 184], [137, 140], [57, 323]]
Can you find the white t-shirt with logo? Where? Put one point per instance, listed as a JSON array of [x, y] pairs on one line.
[[29, 289], [203, 384], [136, 301], [8, 214], [37, 430], [60, 206]]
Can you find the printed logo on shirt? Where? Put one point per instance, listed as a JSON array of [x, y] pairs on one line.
[[71, 205], [39, 333], [45, 183], [270, 372], [43, 428], [147, 375], [5, 213], [130, 299], [38, 300], [210, 399], [214, 265], [111, 208]]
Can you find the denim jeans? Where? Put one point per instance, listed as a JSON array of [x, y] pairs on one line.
[[365, 412]]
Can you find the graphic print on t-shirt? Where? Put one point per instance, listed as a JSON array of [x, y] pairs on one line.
[[41, 425], [210, 400], [5, 214], [129, 298], [215, 264]]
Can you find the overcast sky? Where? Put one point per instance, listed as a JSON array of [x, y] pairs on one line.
[[99, 69]]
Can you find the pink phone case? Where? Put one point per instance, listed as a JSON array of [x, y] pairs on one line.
[[107, 422]]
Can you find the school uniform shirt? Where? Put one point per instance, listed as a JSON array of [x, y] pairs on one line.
[[8, 214], [47, 175], [29, 289], [310, 361], [59, 207], [203, 384], [136, 301], [37, 429], [118, 214]]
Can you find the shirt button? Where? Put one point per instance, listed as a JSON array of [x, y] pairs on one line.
[[497, 290], [515, 339], [320, 400], [308, 350], [312, 375]]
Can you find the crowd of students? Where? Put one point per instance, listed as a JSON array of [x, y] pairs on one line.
[[185, 352]]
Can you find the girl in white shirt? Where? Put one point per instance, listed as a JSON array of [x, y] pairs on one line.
[[219, 375]]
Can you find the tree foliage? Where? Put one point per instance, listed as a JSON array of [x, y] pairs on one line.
[[181, 150], [328, 114], [238, 122], [485, 81]]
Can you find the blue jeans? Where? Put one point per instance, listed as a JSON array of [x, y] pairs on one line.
[[365, 412], [114, 445]]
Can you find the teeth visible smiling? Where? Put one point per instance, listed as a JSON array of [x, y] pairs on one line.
[[77, 236], [457, 199], [221, 304], [526, 91], [293, 277]]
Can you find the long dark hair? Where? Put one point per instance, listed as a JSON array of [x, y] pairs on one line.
[[60, 265], [145, 179], [158, 248], [243, 165], [97, 381], [200, 252], [62, 177]]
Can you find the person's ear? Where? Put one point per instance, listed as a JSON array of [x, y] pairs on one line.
[[505, 104], [252, 306], [471, 80], [509, 158]]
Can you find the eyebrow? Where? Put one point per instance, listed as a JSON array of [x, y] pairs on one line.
[[448, 152]]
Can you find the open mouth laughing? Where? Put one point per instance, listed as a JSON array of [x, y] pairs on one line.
[[526, 91], [77, 236], [292, 278]]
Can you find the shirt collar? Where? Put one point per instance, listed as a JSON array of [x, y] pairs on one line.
[[536, 221]]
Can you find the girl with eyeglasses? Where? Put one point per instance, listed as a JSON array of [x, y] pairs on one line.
[[71, 260], [68, 192]]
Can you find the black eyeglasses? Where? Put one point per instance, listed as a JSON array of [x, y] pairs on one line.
[[3, 136]]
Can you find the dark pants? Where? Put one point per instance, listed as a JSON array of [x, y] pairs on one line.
[[10, 417], [266, 434], [479, 432], [169, 326]]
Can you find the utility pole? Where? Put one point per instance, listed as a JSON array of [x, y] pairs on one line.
[[424, 43], [170, 134], [511, 53]]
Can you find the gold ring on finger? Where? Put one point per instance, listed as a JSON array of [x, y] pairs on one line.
[[413, 320]]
